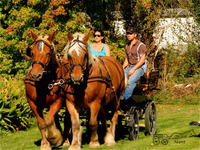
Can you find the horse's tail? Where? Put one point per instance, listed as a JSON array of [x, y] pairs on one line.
[[126, 81]]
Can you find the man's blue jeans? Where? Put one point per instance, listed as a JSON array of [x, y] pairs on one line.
[[132, 81]]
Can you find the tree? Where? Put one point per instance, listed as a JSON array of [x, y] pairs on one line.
[[20, 17]]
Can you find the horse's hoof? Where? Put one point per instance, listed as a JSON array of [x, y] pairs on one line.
[[110, 143], [56, 141], [109, 140], [45, 147], [55, 138], [66, 143], [74, 147], [59, 142], [94, 144]]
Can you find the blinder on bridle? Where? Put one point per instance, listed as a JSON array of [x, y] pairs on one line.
[[28, 50], [39, 46], [85, 58]]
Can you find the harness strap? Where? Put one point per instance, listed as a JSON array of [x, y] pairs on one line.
[[44, 40], [38, 62], [108, 74], [27, 81], [93, 78]]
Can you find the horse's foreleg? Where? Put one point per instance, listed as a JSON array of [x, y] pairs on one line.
[[67, 126], [76, 132], [110, 135], [54, 134], [93, 124], [45, 145], [102, 117]]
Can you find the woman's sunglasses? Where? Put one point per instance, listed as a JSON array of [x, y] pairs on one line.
[[97, 35]]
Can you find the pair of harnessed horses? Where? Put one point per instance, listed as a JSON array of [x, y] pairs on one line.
[[77, 80]]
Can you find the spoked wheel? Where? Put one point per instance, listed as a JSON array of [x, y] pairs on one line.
[[133, 124], [150, 118]]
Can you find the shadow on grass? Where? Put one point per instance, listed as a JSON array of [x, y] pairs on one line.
[[38, 142], [121, 133]]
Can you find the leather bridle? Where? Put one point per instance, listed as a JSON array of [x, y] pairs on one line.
[[50, 54], [83, 67]]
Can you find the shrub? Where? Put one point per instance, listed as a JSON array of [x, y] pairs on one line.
[[190, 62], [15, 112]]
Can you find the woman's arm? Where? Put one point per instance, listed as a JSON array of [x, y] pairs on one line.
[[107, 50]]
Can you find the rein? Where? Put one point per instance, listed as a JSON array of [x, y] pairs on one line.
[[61, 81]]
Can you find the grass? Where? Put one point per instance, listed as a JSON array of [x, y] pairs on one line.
[[170, 119]]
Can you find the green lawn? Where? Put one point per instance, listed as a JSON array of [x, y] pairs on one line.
[[170, 119]]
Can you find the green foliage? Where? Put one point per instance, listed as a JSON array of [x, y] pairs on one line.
[[15, 112], [189, 64], [117, 47], [6, 64], [19, 18], [197, 89], [178, 65], [195, 9]]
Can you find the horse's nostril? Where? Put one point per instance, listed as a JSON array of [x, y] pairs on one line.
[[39, 75]]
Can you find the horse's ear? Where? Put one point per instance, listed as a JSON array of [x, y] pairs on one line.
[[52, 37], [34, 36], [87, 36], [70, 37]]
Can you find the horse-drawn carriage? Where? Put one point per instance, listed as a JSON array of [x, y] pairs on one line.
[[81, 81], [142, 106]]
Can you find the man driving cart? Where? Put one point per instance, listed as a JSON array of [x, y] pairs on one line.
[[135, 64]]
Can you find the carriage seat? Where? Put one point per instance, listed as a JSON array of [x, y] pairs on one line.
[[148, 81]]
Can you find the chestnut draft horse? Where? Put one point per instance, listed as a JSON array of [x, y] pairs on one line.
[[95, 83], [42, 73]]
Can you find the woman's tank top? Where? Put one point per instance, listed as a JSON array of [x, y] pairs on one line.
[[100, 53]]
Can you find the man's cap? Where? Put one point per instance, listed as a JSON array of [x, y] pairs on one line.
[[131, 30]]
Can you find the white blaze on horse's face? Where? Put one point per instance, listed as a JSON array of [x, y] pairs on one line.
[[76, 46]]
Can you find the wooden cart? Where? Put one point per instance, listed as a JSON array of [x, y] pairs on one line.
[[143, 107]]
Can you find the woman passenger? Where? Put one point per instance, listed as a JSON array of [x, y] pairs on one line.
[[99, 48]]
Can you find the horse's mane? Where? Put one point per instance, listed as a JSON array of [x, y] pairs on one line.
[[68, 50]]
